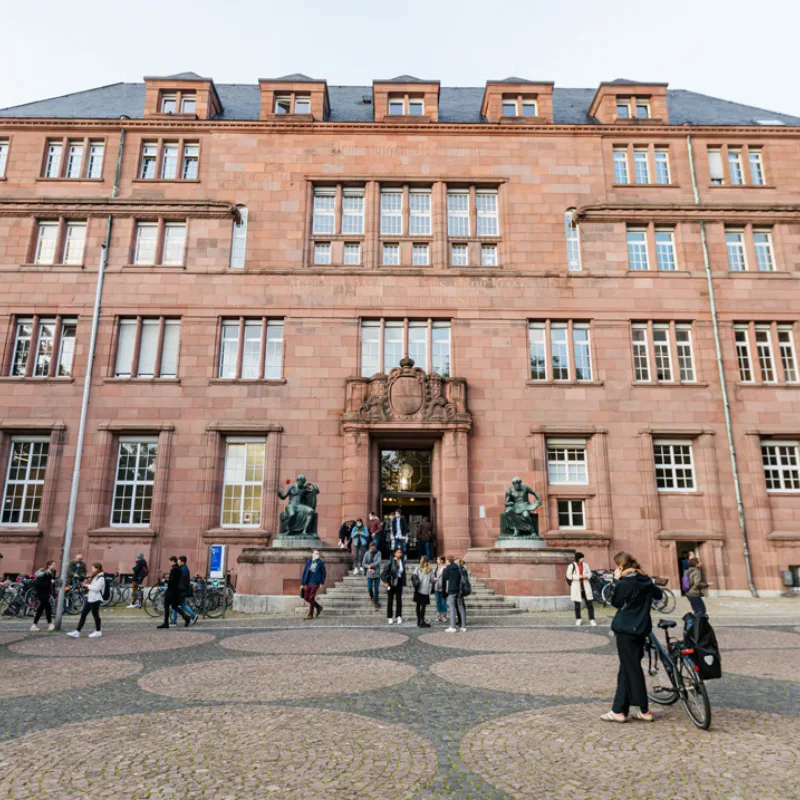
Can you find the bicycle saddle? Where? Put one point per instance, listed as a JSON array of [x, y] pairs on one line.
[[666, 623]]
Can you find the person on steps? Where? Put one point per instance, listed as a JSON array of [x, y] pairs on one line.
[[313, 578], [394, 579], [422, 580], [359, 536], [580, 588], [697, 588], [371, 566]]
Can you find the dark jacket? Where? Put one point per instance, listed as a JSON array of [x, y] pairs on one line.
[[452, 578], [390, 573], [633, 596], [139, 570], [424, 531], [76, 569], [43, 584], [185, 585], [697, 586], [173, 593], [398, 526], [344, 531], [316, 578]]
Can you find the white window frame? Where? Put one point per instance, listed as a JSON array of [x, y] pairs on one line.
[[283, 104], [744, 358], [323, 221], [248, 334], [637, 249], [4, 146], [173, 250], [391, 212], [167, 98], [527, 104], [505, 103], [662, 353], [685, 352], [716, 169], [489, 255], [662, 167], [641, 165], [370, 348], [66, 348], [302, 100], [322, 253], [737, 250], [29, 516], [421, 255], [416, 101], [139, 487], [458, 216], [786, 469], [170, 156], [441, 348], [229, 350], [562, 456], [239, 239], [788, 353], [147, 168], [574, 507], [641, 353], [459, 255], [75, 153], [487, 216], [46, 242], [582, 352], [390, 254], [418, 342], [621, 174], [353, 212], [74, 242], [419, 212], [666, 255], [756, 161], [189, 103], [573, 237], [736, 166], [243, 483], [537, 341], [142, 253], [394, 104], [45, 343], [671, 468], [559, 349], [765, 354], [52, 167], [191, 161], [765, 252], [352, 253]]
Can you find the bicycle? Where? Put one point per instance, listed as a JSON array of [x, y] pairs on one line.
[[153, 604], [598, 580], [666, 605], [686, 683]]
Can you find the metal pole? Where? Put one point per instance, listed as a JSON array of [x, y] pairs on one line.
[[721, 366]]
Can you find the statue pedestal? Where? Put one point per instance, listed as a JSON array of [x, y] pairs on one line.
[[520, 543], [268, 578]]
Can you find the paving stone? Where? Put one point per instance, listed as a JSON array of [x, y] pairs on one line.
[[780, 665], [754, 639], [316, 641], [10, 636], [112, 643], [515, 640]]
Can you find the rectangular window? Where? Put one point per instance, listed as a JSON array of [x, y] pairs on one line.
[[735, 166], [420, 213], [302, 104], [144, 362], [788, 360], [146, 239], [251, 350], [642, 109], [391, 213], [283, 104], [529, 108], [623, 108], [27, 468], [174, 243], [134, 482], [428, 343], [66, 348], [3, 157], [486, 203], [52, 167], [188, 103], [169, 103], [581, 352], [621, 165], [352, 211], [458, 255], [126, 345], [397, 107], [641, 356], [762, 241], [420, 255], [488, 255], [229, 350], [509, 107], [662, 165], [661, 350], [169, 162], [324, 207], [191, 159], [391, 255], [352, 253], [273, 360], [243, 483], [257, 362], [170, 346], [683, 344], [148, 347], [46, 243], [756, 166], [764, 353], [716, 173], [322, 253], [44, 347], [75, 160], [416, 107], [370, 348], [743, 353], [641, 167], [418, 343], [781, 466], [674, 467], [74, 241], [665, 249], [566, 461], [570, 514], [458, 213], [637, 249], [392, 344], [573, 241], [559, 351], [149, 158], [440, 348], [737, 258], [536, 338], [239, 239]]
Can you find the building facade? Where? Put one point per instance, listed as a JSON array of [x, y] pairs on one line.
[[410, 294]]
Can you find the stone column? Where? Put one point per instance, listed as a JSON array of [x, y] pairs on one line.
[[453, 503], [355, 476]]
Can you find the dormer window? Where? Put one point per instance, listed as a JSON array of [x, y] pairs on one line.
[[519, 107], [283, 104], [188, 103], [169, 103], [416, 107], [397, 107], [633, 108], [509, 107], [406, 106], [302, 104]]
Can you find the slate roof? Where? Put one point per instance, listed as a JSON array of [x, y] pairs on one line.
[[456, 105]]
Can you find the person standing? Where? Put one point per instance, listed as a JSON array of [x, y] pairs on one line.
[[440, 589], [394, 579], [43, 586], [633, 595], [422, 579], [697, 588], [76, 570], [313, 578], [94, 584], [184, 593], [140, 571], [399, 532], [375, 528], [371, 565], [455, 601], [172, 596], [580, 588], [359, 537], [344, 533], [424, 538]]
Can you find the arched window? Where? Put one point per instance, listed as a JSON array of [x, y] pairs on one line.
[[239, 241], [573, 241]]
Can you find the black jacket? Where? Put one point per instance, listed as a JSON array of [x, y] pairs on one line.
[[138, 568], [452, 578], [43, 585], [633, 596], [185, 585], [390, 571], [173, 593]]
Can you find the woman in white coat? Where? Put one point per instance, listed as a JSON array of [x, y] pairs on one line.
[[580, 588]]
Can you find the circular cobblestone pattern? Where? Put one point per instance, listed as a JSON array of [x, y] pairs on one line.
[[578, 675], [23, 677], [286, 754], [268, 678], [753, 639], [318, 641], [114, 643], [778, 665], [9, 636], [509, 640], [567, 752]]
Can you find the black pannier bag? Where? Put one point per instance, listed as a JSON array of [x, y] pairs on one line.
[[699, 635]]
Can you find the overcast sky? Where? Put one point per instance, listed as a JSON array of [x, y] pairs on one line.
[[737, 50]]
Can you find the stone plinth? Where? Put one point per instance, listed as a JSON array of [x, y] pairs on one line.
[[521, 572], [520, 543], [285, 542]]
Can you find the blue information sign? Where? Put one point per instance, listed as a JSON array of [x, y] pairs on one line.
[[216, 561]]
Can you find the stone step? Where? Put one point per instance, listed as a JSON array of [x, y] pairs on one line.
[[370, 612], [486, 599], [355, 606]]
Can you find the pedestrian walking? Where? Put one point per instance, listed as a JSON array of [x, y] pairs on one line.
[[422, 581], [344, 533], [140, 571], [440, 589], [424, 538], [185, 591], [398, 528], [359, 536], [580, 587], [633, 595], [394, 579], [683, 568], [375, 528], [95, 585], [43, 586], [172, 596], [697, 588], [313, 578], [371, 565], [76, 570], [455, 601]]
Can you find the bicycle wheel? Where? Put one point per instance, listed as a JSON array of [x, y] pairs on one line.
[[660, 688], [30, 602], [606, 594], [214, 603], [154, 602], [693, 694], [668, 602], [125, 594]]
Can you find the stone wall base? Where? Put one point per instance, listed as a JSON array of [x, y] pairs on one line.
[[562, 603], [539, 573], [265, 603]]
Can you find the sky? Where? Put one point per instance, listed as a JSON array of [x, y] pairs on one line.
[[736, 50]]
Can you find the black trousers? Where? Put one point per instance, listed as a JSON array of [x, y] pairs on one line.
[[173, 604], [589, 608], [421, 606], [631, 688], [395, 595], [94, 607], [698, 605], [44, 608]]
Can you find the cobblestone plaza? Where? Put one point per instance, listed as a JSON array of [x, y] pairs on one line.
[[274, 710]]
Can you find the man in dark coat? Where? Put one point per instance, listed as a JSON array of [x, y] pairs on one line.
[[140, 571], [172, 596], [398, 527], [424, 538], [185, 592]]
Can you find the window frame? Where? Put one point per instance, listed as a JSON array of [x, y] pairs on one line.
[[739, 246], [780, 469], [541, 348], [161, 242], [666, 253], [238, 257], [61, 241], [672, 467], [60, 171], [570, 512], [266, 364], [572, 235], [29, 364], [378, 355], [137, 325], [641, 246], [567, 446], [135, 484], [26, 483], [245, 440], [5, 150], [152, 153]]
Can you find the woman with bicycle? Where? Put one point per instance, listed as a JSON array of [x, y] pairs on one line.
[[633, 596]]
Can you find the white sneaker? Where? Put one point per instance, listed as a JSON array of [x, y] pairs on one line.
[[463, 630], [578, 622], [391, 621], [132, 605], [399, 620], [95, 634], [449, 630], [592, 623], [51, 627], [74, 634], [34, 628]]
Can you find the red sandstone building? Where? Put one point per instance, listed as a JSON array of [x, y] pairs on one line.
[[556, 262]]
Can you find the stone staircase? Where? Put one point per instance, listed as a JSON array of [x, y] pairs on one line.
[[349, 598]]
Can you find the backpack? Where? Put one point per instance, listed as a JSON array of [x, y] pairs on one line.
[[685, 581], [415, 580], [699, 634], [465, 588], [107, 587], [144, 570]]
